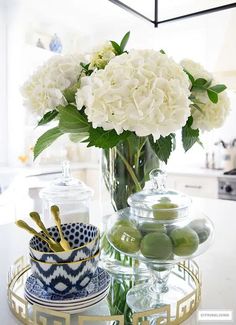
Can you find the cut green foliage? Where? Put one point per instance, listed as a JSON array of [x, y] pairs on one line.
[[124, 41], [46, 140], [116, 48], [163, 146], [86, 69], [69, 93], [119, 48], [189, 135], [48, 117], [190, 76], [205, 85], [214, 91], [71, 120], [105, 139], [78, 137]]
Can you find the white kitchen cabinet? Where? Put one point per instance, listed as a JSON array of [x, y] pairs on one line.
[[194, 185]]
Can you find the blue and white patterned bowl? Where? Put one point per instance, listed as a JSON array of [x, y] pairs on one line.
[[65, 278], [84, 240]]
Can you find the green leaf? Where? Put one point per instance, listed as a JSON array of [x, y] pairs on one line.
[[46, 140], [84, 66], [78, 137], [200, 83], [189, 135], [162, 147], [218, 88], [116, 47], [191, 78], [213, 96], [162, 51], [48, 117], [124, 41], [105, 139], [86, 69], [71, 120], [69, 93]]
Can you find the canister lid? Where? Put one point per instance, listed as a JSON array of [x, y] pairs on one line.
[[162, 202]]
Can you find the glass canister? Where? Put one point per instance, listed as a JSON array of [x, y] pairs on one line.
[[71, 195], [160, 229]]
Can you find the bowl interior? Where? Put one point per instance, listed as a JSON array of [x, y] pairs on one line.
[[77, 234]]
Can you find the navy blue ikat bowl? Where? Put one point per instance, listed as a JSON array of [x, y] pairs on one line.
[[65, 278], [84, 240]]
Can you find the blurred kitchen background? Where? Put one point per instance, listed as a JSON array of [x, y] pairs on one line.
[[32, 31]]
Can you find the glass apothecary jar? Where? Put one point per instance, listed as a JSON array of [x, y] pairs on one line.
[[160, 228], [71, 195]]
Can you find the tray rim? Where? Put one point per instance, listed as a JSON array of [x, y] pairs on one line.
[[20, 267]]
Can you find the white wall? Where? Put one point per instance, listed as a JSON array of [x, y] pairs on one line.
[[82, 24]]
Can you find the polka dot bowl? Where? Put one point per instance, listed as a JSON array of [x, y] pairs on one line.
[[64, 278], [84, 240]]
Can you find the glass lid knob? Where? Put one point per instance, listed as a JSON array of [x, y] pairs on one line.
[[66, 174], [158, 179]]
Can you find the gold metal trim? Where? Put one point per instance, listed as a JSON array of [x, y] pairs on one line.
[[37, 315], [65, 263]]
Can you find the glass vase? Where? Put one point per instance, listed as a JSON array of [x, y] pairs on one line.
[[125, 169]]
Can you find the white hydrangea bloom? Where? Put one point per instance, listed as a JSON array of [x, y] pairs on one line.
[[102, 56], [43, 90], [144, 91], [212, 115], [196, 69]]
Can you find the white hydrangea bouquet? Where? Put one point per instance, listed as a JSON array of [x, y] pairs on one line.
[[129, 103]]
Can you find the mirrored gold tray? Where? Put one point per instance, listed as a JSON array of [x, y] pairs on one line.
[[112, 310]]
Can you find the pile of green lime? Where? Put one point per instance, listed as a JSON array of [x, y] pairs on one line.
[[154, 241]]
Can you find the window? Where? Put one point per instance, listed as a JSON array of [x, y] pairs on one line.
[[3, 87]]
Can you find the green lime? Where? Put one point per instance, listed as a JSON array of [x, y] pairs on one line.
[[185, 241], [148, 227], [202, 230], [159, 212], [126, 238], [156, 245]]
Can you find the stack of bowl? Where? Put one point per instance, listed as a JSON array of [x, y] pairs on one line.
[[66, 272]]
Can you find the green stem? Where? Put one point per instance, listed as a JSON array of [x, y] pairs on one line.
[[131, 172], [138, 153]]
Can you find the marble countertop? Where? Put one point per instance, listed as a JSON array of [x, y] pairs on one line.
[[218, 264]]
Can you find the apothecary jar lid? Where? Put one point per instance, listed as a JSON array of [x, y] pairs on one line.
[[158, 202], [66, 187]]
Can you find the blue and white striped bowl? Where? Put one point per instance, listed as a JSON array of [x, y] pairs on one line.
[[84, 240], [64, 278]]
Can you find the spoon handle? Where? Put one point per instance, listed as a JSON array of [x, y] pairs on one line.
[[55, 212], [22, 224], [64, 243], [36, 218]]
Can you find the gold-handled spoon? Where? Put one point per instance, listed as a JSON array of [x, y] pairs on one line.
[[22, 224], [63, 242], [36, 218]]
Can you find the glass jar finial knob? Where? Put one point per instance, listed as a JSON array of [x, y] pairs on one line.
[[66, 174], [158, 178]]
